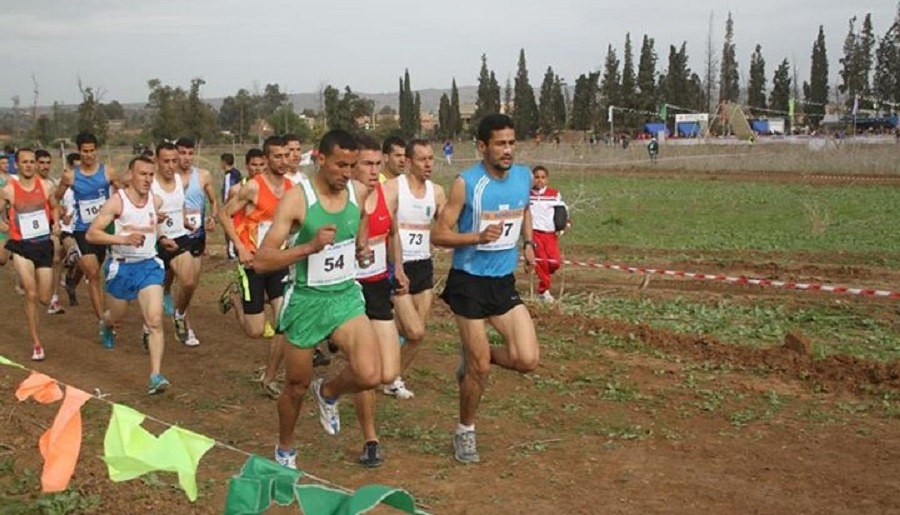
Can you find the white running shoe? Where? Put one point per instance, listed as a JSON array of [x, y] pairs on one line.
[[399, 390], [328, 412], [192, 340], [546, 297], [55, 308], [37, 353], [286, 459]]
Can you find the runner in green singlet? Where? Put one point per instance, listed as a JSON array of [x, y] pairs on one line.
[[327, 234]]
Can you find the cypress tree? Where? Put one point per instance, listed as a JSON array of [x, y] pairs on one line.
[[729, 78], [780, 98], [756, 88], [525, 109], [647, 96], [816, 91]]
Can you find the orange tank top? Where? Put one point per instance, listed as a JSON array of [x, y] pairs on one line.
[[29, 214], [256, 224]]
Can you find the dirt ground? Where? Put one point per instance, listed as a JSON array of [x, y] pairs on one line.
[[619, 418]]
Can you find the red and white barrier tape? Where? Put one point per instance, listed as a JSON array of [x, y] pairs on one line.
[[788, 285]]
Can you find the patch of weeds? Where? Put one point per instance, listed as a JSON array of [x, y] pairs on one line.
[[624, 432], [423, 440], [617, 392], [743, 417], [711, 400], [63, 503]]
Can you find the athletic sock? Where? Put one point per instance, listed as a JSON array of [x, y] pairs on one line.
[[179, 316], [462, 428]]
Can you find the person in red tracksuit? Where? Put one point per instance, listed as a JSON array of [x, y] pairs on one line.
[[546, 202]]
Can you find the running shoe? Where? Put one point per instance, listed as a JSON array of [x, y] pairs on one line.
[[270, 389], [145, 340], [55, 308], [181, 329], [320, 359], [192, 340], [371, 455], [268, 331], [286, 458], [107, 336], [464, 448], [399, 390], [37, 353], [168, 305], [225, 300], [546, 297], [329, 416], [158, 384]]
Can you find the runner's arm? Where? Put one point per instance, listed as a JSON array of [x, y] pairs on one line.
[[291, 213], [210, 191], [245, 196], [67, 179], [363, 252], [97, 234], [443, 233], [116, 180]]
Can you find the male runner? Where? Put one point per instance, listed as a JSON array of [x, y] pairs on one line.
[[198, 188], [135, 271], [394, 158], [43, 168], [376, 288], [175, 226], [418, 202], [90, 184], [295, 151], [66, 238], [255, 206], [5, 177], [230, 177], [329, 235], [30, 203], [484, 216]]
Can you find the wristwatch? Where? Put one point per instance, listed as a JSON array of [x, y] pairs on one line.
[[527, 243]]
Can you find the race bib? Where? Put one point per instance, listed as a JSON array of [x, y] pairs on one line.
[[378, 245], [89, 209], [173, 224], [332, 265], [261, 231], [511, 227], [33, 225], [415, 240], [195, 219]]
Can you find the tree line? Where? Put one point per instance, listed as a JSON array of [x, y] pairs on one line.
[[634, 90]]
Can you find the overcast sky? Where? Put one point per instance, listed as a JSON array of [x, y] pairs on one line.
[[118, 45]]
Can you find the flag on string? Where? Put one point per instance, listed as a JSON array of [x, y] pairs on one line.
[[131, 451], [61, 444]]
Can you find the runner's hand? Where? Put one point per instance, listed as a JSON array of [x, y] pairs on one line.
[[401, 281], [491, 233], [324, 236], [529, 259], [161, 218], [134, 239], [4, 226], [210, 224], [365, 256], [168, 244], [245, 256]]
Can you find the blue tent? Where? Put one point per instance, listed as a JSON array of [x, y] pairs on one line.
[[654, 128], [688, 129]]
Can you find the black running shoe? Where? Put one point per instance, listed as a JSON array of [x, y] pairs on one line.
[[371, 455]]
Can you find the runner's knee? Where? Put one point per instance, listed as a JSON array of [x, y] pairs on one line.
[[296, 387], [154, 322]]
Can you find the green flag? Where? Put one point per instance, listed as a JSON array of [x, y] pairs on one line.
[[130, 451], [791, 104], [663, 111], [4, 361], [262, 482]]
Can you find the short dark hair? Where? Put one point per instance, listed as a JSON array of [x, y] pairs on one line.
[[337, 138], [411, 146], [289, 137], [491, 123], [253, 152], [165, 145], [366, 141], [185, 143], [8, 149], [84, 138], [538, 168], [71, 157], [136, 159], [39, 153], [228, 158], [25, 149], [391, 142], [272, 141]]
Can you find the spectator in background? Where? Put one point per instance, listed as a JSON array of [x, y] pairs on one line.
[[653, 149], [549, 216], [231, 177], [448, 152]]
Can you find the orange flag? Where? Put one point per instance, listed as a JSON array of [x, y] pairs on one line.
[[61, 444], [43, 388]]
